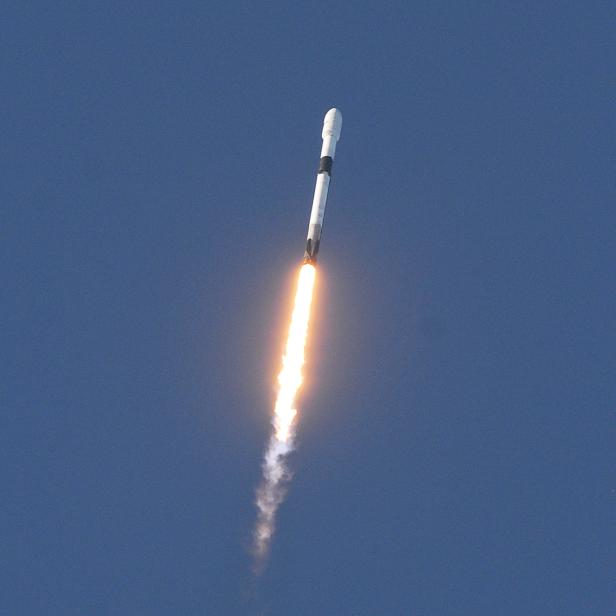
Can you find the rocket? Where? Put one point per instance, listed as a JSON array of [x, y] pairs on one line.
[[332, 126]]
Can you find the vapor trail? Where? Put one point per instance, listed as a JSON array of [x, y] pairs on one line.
[[276, 475]]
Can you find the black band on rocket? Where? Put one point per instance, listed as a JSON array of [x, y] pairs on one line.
[[325, 165]]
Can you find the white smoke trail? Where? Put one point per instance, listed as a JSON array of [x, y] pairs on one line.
[[276, 475], [270, 494]]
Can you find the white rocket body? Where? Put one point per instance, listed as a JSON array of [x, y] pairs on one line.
[[332, 126]]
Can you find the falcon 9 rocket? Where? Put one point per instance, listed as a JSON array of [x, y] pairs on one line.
[[332, 126]]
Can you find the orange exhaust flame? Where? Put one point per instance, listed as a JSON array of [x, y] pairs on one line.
[[290, 377]]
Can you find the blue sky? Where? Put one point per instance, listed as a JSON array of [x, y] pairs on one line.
[[456, 438]]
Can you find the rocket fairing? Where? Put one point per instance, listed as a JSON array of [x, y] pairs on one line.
[[332, 126]]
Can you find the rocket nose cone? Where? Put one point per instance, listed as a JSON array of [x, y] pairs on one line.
[[332, 124]]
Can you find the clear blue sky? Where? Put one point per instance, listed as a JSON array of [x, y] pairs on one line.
[[457, 430]]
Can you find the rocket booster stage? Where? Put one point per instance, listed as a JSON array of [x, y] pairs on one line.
[[332, 125]]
